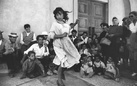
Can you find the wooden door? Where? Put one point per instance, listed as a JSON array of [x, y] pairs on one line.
[[83, 15], [91, 14]]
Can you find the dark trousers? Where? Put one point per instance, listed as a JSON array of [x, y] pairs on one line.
[[114, 52], [12, 62], [76, 67], [45, 61], [2, 60], [24, 48], [21, 53], [105, 50], [133, 64], [99, 70]]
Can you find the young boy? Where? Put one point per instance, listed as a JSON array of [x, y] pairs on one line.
[[27, 37], [86, 68], [99, 66], [32, 67]]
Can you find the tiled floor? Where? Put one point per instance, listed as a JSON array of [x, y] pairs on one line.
[[5, 80], [41, 81], [100, 81], [72, 79]]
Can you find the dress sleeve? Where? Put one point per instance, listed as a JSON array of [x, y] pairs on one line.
[[66, 28]]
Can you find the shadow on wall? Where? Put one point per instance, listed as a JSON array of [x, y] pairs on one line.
[[15, 13], [127, 6], [119, 9], [133, 5]]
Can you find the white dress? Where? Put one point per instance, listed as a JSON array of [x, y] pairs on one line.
[[110, 68], [133, 28], [66, 53]]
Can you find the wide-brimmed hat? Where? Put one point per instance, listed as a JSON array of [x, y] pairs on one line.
[[13, 35], [44, 33]]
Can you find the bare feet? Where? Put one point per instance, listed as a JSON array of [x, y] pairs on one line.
[[60, 83], [63, 76]]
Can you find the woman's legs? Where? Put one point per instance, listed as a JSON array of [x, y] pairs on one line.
[[60, 72], [63, 75]]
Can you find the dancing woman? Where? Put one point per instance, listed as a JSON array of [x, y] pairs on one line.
[[66, 53]]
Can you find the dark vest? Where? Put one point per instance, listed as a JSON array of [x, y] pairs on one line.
[[27, 39]]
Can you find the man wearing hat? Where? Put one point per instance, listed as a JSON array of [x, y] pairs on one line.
[[45, 35], [2, 45], [11, 54]]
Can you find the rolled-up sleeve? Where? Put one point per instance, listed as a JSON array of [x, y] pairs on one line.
[[30, 49], [34, 37], [21, 39]]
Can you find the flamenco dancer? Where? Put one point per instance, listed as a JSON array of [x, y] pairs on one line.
[[66, 53]]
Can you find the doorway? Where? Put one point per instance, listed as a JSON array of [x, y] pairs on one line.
[[91, 14]]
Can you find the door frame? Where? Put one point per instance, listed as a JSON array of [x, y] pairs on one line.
[[76, 11]]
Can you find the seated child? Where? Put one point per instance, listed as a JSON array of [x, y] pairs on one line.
[[99, 66], [32, 67], [94, 49], [84, 50], [87, 67], [111, 72]]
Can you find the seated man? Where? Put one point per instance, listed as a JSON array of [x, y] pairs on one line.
[[32, 67], [41, 51], [11, 54], [27, 37]]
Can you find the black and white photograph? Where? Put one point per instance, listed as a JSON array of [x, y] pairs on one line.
[[68, 42]]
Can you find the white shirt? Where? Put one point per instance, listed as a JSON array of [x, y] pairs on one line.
[[73, 38], [133, 28], [58, 28], [110, 68], [0, 42], [21, 37], [99, 64], [83, 40], [40, 52]]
